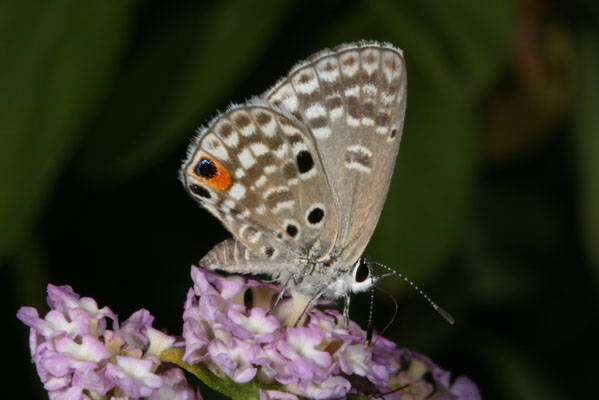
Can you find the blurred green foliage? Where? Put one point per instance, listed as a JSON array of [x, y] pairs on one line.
[[57, 64], [493, 207]]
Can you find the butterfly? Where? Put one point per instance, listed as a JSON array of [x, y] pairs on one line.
[[299, 175]]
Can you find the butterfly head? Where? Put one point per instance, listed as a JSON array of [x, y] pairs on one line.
[[363, 277]]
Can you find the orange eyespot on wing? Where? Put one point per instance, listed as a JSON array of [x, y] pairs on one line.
[[213, 173]]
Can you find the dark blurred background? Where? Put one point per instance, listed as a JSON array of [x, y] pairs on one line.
[[493, 209]]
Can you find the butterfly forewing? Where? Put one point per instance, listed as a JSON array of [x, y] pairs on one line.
[[256, 168], [353, 100]]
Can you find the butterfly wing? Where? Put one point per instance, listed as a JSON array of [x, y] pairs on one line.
[[257, 169], [353, 100]]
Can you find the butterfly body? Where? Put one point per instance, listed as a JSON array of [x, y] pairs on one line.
[[300, 174]]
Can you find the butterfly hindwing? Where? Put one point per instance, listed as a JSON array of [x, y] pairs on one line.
[[257, 170]]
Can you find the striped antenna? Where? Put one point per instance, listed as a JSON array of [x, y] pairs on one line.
[[441, 311], [370, 328]]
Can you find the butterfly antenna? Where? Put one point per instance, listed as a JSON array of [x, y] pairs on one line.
[[369, 331], [370, 327], [441, 311]]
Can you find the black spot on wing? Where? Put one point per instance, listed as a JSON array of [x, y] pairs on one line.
[[304, 161], [315, 215], [200, 191]]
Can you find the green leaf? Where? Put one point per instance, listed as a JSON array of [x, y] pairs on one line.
[[57, 58], [224, 384], [189, 67]]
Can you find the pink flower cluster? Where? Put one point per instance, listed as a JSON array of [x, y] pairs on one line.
[[228, 329], [77, 357]]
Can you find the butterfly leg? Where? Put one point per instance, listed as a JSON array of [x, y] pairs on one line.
[[281, 293], [310, 304]]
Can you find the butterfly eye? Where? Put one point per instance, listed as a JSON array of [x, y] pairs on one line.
[[363, 270]]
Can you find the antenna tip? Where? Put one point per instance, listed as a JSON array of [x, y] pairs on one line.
[[448, 317]]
